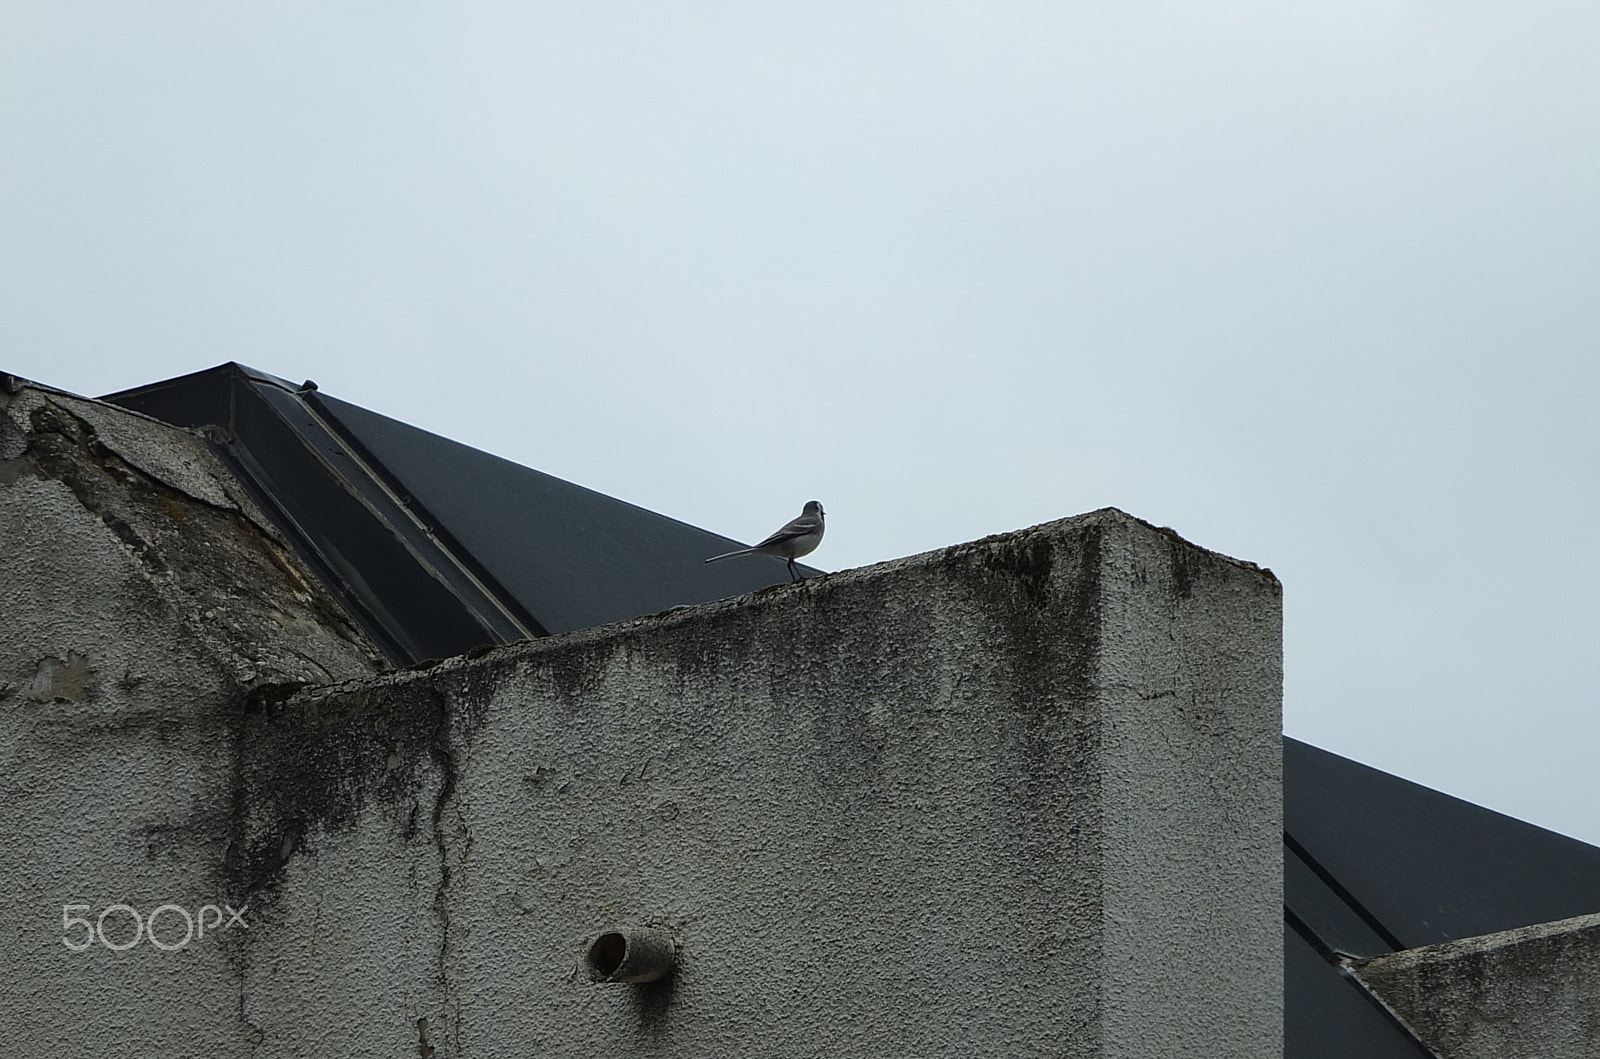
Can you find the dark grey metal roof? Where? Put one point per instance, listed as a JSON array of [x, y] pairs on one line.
[[573, 557], [437, 547]]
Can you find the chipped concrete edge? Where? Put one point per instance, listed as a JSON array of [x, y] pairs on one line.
[[1482, 944], [199, 474]]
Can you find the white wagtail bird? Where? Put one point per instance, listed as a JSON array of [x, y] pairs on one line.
[[798, 538]]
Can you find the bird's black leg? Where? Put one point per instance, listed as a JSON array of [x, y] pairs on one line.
[[793, 575]]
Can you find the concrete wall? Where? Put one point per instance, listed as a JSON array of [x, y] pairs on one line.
[[142, 600], [1017, 797], [1528, 992]]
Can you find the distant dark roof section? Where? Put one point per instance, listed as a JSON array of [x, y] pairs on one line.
[[1373, 864], [433, 546], [1426, 867]]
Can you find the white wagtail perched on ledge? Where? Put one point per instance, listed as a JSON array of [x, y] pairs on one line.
[[798, 538]]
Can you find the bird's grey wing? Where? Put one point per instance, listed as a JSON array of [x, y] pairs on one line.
[[800, 527]]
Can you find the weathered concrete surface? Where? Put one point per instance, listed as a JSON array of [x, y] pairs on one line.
[[142, 599], [1528, 992], [1015, 798]]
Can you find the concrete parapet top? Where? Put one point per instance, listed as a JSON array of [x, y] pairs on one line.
[[1532, 991], [1578, 929], [1014, 547]]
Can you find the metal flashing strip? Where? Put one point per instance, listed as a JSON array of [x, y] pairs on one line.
[[514, 620], [399, 596], [431, 549], [256, 481], [1341, 897]]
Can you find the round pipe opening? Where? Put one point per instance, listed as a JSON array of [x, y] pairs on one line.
[[642, 955], [607, 954]]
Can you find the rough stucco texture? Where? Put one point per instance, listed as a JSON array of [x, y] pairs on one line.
[[142, 601], [1019, 797], [1528, 992], [1014, 798]]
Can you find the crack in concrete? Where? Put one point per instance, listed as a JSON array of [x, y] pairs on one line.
[[441, 749]]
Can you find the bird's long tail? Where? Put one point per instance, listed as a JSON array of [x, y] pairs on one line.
[[730, 555]]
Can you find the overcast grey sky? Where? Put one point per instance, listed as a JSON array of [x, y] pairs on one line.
[[1315, 284]]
